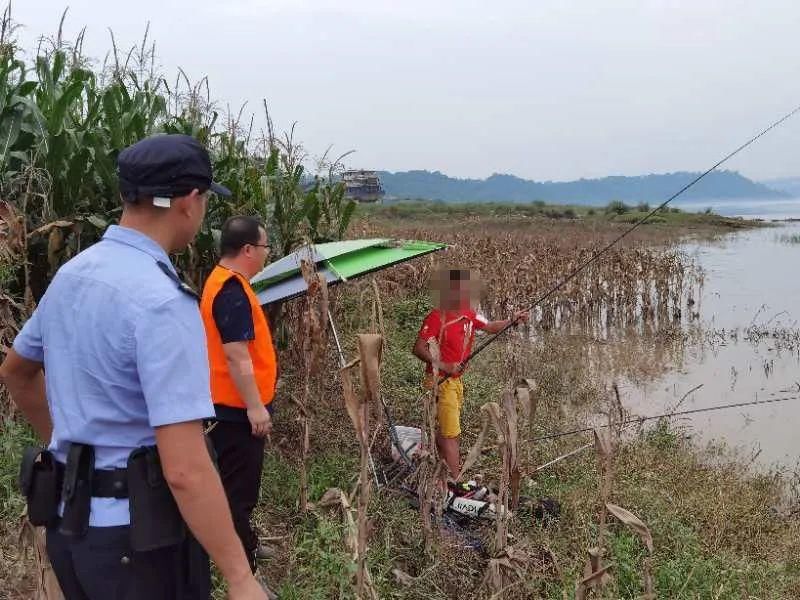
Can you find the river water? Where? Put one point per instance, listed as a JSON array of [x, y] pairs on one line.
[[751, 286]]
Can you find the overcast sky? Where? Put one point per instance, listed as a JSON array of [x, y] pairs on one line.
[[543, 89]]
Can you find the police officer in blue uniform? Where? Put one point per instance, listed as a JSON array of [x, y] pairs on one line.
[[111, 369]]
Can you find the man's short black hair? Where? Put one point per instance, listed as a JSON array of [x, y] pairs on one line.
[[239, 231]]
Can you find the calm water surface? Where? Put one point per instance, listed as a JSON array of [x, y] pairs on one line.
[[751, 279]]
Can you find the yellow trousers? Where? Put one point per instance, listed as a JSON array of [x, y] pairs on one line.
[[448, 406]]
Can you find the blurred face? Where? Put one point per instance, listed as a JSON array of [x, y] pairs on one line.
[[455, 291], [254, 256], [459, 292]]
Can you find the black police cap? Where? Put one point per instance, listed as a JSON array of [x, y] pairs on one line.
[[166, 165]]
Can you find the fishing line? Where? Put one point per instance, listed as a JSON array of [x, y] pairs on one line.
[[570, 276], [559, 434]]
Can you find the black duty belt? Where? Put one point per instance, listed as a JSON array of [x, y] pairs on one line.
[[106, 483]]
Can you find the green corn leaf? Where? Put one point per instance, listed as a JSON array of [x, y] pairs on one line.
[[311, 211], [59, 63], [346, 217], [26, 88], [57, 119], [23, 157], [9, 132]]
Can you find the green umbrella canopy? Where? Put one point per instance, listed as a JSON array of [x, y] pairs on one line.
[[337, 261], [375, 258]]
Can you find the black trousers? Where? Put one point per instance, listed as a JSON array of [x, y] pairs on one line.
[[240, 458], [102, 566]]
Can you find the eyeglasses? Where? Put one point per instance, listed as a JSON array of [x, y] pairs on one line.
[[259, 245]]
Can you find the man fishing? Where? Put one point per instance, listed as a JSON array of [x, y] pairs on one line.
[[444, 342]]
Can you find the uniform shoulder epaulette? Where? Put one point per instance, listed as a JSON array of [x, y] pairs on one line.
[[182, 285]]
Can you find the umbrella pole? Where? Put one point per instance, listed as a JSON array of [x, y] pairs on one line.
[[342, 363]]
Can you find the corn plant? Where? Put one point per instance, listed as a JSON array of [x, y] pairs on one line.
[[632, 286], [63, 124]]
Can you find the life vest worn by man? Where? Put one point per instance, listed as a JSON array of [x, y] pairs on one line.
[[243, 370], [452, 326]]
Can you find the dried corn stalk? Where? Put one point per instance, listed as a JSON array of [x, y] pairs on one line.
[[639, 528], [527, 403], [634, 523], [595, 575], [430, 474], [12, 234], [606, 442], [504, 421], [487, 418], [334, 497], [351, 402], [513, 472], [315, 315], [12, 313], [378, 326], [631, 285], [429, 414], [314, 344], [369, 348], [506, 569], [370, 352], [47, 587], [604, 449]]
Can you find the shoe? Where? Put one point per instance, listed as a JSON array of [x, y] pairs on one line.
[[471, 489]]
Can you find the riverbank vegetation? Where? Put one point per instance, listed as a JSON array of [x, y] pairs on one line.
[[668, 219]]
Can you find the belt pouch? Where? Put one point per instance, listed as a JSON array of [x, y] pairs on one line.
[[38, 482], [76, 492], [156, 521]]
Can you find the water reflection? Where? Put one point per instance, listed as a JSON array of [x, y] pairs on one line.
[[745, 347]]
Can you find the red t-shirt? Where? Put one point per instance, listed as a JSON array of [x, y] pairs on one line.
[[454, 335]]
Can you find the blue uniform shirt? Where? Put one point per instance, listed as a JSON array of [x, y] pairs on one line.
[[124, 351]]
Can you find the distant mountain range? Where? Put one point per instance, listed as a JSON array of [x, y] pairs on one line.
[[787, 185], [433, 185]]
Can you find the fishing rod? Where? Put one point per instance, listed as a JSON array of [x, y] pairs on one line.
[[640, 420], [575, 272], [551, 436]]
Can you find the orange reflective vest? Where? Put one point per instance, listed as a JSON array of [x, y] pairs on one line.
[[262, 353]]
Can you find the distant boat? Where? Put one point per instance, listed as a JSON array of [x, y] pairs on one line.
[[363, 186]]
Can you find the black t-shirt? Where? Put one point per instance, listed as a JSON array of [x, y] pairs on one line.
[[232, 313]]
